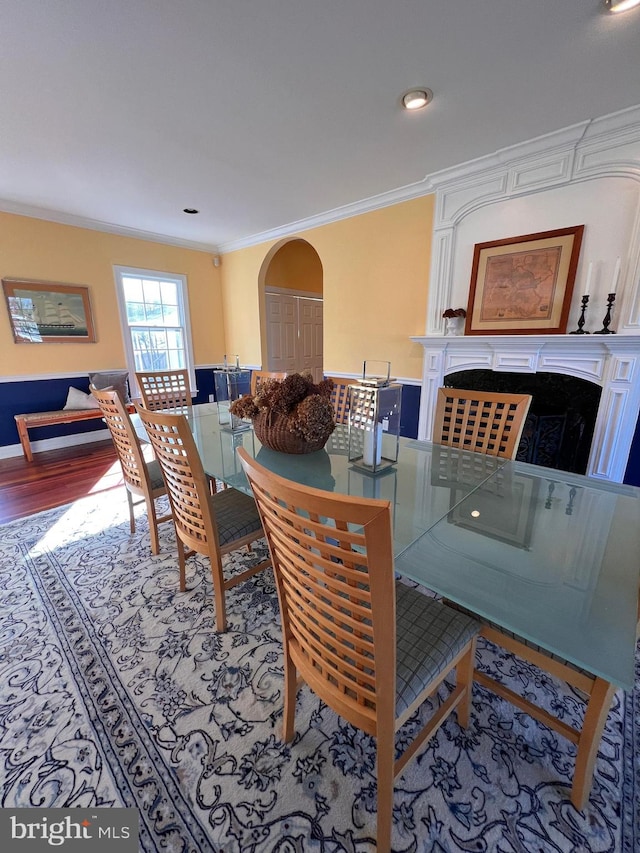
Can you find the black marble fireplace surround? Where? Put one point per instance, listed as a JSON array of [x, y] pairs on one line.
[[559, 428]]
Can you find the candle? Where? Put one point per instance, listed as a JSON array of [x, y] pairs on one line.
[[616, 273], [588, 284], [373, 436]]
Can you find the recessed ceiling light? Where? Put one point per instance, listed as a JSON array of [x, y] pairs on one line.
[[190, 210], [416, 99], [620, 5]]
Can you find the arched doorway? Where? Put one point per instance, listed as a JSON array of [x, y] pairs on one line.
[[291, 308]]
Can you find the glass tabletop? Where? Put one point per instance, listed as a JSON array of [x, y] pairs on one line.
[[419, 485], [550, 556]]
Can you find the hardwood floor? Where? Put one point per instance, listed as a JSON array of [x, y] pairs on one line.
[[56, 477]]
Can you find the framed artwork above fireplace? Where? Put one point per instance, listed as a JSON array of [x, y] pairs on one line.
[[523, 285]]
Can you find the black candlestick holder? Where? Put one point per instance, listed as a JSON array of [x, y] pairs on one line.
[[580, 330], [605, 330]]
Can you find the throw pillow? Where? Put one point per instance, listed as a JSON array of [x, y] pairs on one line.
[[112, 379], [77, 399]]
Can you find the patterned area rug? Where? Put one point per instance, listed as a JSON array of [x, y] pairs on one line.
[[117, 691]]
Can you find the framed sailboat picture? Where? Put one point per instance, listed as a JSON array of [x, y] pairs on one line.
[[46, 312]]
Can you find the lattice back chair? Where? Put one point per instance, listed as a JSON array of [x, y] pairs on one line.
[[481, 421], [258, 377], [340, 399], [369, 647], [142, 479], [210, 524], [164, 389]]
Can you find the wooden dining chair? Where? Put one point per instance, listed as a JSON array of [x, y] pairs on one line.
[[164, 389], [371, 648], [210, 524], [258, 377], [482, 421], [340, 399], [143, 479]]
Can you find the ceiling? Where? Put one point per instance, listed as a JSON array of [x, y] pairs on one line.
[[264, 113]]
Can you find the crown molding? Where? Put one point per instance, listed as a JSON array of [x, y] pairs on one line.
[[614, 128], [356, 208], [7, 206]]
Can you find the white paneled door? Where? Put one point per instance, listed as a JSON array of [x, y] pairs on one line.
[[294, 334]]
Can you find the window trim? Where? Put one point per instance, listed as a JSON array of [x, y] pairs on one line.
[[181, 281]]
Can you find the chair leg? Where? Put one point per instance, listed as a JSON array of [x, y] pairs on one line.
[[217, 577], [385, 776], [290, 693], [182, 564], [464, 677], [590, 736], [132, 517], [153, 526]]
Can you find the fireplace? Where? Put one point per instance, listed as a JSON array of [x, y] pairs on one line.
[[593, 437], [558, 431]]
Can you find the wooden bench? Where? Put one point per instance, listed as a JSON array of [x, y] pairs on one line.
[[41, 419]]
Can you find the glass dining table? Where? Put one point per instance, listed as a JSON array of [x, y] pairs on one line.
[[548, 556]]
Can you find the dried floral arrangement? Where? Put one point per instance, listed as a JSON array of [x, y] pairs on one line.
[[304, 404], [454, 312]]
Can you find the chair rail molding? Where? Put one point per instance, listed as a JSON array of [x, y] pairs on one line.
[[611, 361]]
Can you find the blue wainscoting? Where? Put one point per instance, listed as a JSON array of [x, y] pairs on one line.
[[42, 395]]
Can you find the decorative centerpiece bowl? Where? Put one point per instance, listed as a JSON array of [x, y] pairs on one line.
[[291, 415]]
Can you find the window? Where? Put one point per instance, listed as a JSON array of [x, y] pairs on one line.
[[154, 313]]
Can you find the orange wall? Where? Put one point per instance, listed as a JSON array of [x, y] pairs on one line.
[[296, 266], [375, 285], [47, 251]]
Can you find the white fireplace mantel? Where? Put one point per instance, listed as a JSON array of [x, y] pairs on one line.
[[610, 361]]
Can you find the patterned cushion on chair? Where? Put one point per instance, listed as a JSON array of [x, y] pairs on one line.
[[155, 474], [236, 515], [428, 636]]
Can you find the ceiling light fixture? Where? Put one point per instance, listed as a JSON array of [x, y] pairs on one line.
[[621, 5], [416, 99], [190, 210]]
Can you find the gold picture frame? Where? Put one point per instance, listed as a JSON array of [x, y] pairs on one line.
[[523, 285], [45, 312]]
